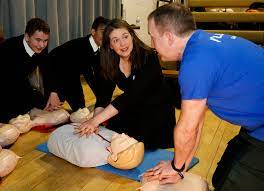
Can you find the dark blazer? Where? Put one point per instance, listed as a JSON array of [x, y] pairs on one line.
[[69, 61], [146, 110], [17, 95]]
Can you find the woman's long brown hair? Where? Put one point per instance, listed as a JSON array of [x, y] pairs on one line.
[[109, 58]]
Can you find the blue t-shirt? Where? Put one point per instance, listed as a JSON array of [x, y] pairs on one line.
[[228, 71]]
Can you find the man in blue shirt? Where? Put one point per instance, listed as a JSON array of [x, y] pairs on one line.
[[223, 73]]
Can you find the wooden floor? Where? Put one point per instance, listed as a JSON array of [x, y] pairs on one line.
[[40, 171]]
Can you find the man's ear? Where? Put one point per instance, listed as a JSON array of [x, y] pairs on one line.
[[170, 37], [26, 37], [93, 31]]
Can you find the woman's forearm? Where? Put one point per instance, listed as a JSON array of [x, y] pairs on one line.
[[105, 114]]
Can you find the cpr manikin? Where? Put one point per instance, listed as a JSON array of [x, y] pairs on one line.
[[8, 161], [126, 152], [191, 182], [22, 123], [8, 134], [81, 115], [40, 117]]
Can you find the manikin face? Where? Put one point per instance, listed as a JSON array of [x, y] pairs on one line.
[[98, 35], [121, 42], [38, 41], [125, 152], [20, 120], [163, 43], [22, 123], [119, 143]]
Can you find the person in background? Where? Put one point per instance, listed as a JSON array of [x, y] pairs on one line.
[[256, 7], [225, 74], [70, 60], [23, 70], [145, 110]]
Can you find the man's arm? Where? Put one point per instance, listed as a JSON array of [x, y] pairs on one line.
[[189, 159], [186, 138], [188, 131]]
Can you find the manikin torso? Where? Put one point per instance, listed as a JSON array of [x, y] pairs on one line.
[[191, 182]]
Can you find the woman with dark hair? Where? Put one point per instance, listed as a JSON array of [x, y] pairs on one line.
[[144, 110]]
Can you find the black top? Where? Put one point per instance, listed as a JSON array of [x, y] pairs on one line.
[[146, 110], [17, 95], [69, 61]]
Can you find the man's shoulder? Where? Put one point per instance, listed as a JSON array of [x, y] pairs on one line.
[[74, 45], [79, 40], [13, 46], [13, 41]]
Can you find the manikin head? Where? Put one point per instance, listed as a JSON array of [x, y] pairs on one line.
[[81, 115], [126, 152], [37, 34], [22, 123], [170, 26]]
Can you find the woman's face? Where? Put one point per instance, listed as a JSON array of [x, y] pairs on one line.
[[121, 42]]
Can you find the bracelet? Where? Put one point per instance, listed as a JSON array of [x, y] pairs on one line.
[[179, 171]]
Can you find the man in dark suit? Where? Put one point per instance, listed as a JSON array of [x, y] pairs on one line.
[[72, 59], [22, 68]]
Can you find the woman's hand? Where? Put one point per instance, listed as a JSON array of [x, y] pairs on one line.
[[92, 125], [86, 128]]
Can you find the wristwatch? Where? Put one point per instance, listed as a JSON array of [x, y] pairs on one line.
[[179, 171]]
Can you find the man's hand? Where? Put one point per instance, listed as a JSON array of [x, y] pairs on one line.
[[163, 172], [53, 103]]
